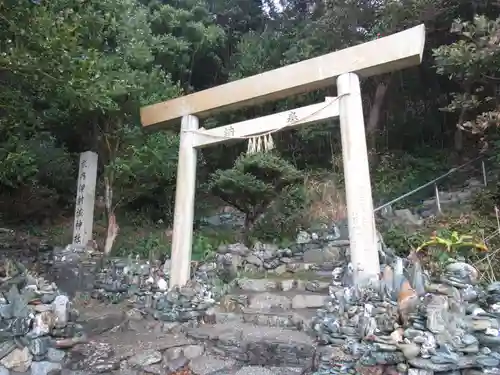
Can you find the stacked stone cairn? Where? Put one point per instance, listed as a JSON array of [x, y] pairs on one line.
[[410, 323], [36, 323]]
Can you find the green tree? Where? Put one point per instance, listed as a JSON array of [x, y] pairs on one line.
[[473, 63], [255, 181]]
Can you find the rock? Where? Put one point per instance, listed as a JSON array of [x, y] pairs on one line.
[[173, 353], [303, 301], [55, 355], [407, 300], [18, 360], [370, 370], [254, 370], [193, 351], [256, 285], [437, 313], [206, 365], [410, 350], [43, 323], [414, 371], [267, 301], [280, 270], [303, 237], [320, 256], [146, 358], [177, 365], [4, 371], [407, 217], [60, 307], [45, 368], [252, 259]]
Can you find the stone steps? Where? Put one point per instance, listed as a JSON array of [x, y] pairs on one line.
[[235, 302], [299, 319], [318, 284], [256, 345], [298, 267], [280, 303]]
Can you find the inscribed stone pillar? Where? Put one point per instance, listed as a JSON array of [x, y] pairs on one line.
[[85, 198]]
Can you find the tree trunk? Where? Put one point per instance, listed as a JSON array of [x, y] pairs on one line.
[[250, 220], [372, 126], [113, 227]]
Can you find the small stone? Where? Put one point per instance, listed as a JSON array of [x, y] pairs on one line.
[[146, 358], [18, 360], [134, 314], [177, 365], [303, 301], [55, 355], [169, 327], [193, 351], [286, 285], [303, 237], [173, 353], [45, 368], [154, 370], [280, 270], [407, 300], [370, 370], [254, 370], [256, 285], [319, 256], [43, 323], [39, 346], [4, 371], [42, 308], [61, 310], [254, 260], [268, 301], [206, 365], [415, 371], [162, 285], [410, 351]]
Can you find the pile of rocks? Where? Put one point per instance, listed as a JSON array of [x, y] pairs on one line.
[[145, 285], [36, 323], [321, 249], [407, 323]]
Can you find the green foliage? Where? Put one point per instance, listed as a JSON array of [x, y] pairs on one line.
[[284, 216], [444, 244], [397, 173], [253, 183], [473, 62], [401, 241], [145, 174]]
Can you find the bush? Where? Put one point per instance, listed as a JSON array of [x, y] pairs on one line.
[[253, 184]]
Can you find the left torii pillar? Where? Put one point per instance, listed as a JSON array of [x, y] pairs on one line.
[[185, 188], [85, 199]]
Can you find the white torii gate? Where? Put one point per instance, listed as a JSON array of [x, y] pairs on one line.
[[394, 52]]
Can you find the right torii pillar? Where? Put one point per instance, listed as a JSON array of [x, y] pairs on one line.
[[362, 232]]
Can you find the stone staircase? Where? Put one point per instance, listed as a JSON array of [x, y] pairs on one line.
[[265, 320]]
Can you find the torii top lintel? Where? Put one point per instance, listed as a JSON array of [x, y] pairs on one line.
[[383, 55]]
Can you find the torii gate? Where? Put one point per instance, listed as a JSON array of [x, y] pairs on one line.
[[394, 52]]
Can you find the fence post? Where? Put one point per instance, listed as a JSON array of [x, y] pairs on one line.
[[483, 167], [438, 202]]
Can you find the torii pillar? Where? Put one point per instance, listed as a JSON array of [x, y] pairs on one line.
[[342, 68]]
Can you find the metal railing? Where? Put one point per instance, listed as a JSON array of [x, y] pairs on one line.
[[435, 182]]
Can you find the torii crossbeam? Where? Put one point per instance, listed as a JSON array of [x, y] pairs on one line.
[[391, 53]]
